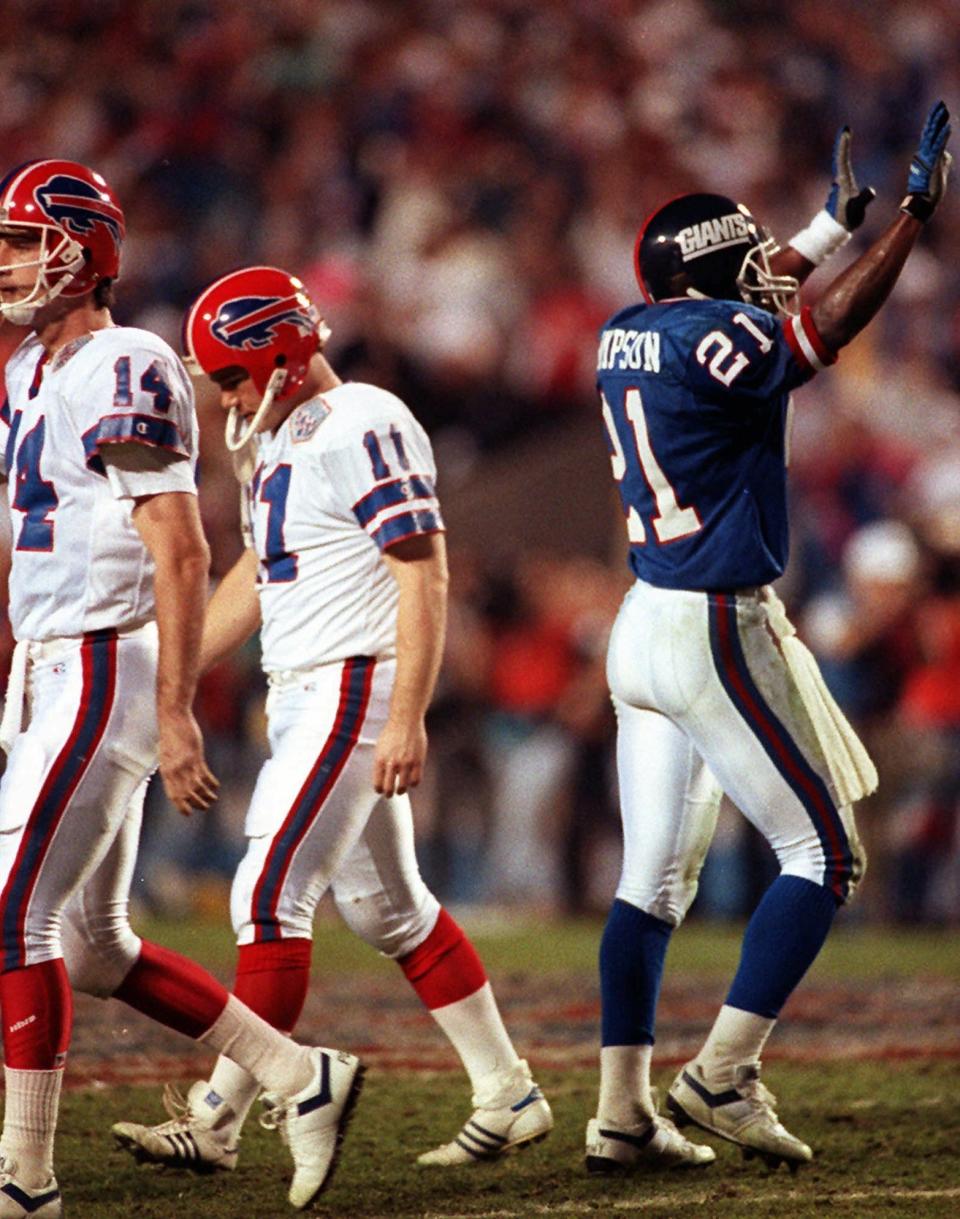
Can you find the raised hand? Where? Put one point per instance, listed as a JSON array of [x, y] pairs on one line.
[[930, 166], [846, 203]]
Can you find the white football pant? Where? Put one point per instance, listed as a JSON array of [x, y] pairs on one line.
[[705, 703], [315, 820]]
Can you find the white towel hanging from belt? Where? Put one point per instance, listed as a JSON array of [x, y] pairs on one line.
[[851, 767]]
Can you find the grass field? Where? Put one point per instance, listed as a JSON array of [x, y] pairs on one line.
[[884, 1126]]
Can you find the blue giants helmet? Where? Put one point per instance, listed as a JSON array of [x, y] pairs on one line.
[[703, 246]]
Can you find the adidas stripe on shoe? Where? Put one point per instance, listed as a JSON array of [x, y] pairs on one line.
[[517, 1115], [199, 1136]]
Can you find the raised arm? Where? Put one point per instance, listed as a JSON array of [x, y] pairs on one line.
[[856, 294], [169, 524], [419, 565]]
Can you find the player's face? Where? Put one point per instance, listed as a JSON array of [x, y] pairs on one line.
[[237, 391], [19, 263]]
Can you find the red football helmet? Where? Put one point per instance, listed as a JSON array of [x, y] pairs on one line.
[[259, 319], [81, 229]]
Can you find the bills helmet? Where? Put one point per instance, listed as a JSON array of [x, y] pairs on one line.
[[705, 246], [79, 223], [261, 320]]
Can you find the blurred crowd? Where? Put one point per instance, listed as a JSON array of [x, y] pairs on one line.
[[459, 183]]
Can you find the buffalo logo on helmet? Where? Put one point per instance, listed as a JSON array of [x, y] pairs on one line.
[[78, 207], [250, 322]]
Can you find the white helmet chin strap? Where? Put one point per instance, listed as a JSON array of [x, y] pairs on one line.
[[21, 313], [236, 436]]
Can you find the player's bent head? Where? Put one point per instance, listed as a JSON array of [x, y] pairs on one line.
[[77, 229], [259, 321], [708, 247]]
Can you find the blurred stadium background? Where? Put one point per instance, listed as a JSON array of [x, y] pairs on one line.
[[459, 182]]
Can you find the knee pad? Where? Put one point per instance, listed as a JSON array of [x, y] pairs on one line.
[[841, 869], [668, 898], [391, 928], [98, 954]]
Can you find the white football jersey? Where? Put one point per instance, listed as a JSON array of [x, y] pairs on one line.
[[346, 476], [79, 563]]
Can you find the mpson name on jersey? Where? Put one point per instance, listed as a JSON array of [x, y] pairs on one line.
[[636, 349], [713, 234]]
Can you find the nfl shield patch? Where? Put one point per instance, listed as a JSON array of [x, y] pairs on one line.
[[307, 418]]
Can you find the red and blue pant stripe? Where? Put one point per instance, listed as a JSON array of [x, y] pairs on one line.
[[98, 655], [355, 683], [778, 744]]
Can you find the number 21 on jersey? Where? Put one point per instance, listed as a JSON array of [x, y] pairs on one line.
[[671, 520]]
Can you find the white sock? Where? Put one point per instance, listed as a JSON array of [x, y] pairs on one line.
[[625, 1096], [236, 1088], [475, 1030], [737, 1037], [275, 1062], [30, 1122]]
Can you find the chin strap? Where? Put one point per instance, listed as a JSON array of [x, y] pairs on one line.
[[22, 312], [236, 436]]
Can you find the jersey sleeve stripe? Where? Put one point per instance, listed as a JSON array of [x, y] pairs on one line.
[[405, 507], [807, 346], [137, 429], [388, 495], [406, 525]]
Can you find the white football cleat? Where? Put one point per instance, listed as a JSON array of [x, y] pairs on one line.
[[312, 1123], [18, 1200], [652, 1143], [199, 1135], [738, 1107], [516, 1115]]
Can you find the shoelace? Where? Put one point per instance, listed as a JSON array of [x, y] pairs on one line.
[[760, 1097], [178, 1108], [274, 1115]]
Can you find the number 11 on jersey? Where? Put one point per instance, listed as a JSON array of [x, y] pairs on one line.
[[671, 521]]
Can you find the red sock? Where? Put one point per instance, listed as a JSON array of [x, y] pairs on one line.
[[174, 990], [37, 1005], [445, 967], [272, 979]]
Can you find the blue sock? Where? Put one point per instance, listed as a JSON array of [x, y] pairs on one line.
[[781, 942], [632, 952]]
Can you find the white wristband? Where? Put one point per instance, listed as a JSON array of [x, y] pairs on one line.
[[822, 237]]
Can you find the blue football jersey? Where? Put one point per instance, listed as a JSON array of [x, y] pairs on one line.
[[694, 397]]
